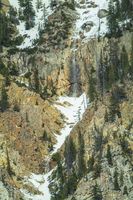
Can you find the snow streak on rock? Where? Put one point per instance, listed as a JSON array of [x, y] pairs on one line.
[[73, 113], [72, 108]]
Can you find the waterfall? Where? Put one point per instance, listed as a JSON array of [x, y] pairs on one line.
[[75, 89]]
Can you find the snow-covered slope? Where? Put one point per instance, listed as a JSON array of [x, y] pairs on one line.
[[88, 12], [72, 108], [33, 33]]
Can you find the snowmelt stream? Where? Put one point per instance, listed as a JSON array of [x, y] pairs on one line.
[[72, 108]]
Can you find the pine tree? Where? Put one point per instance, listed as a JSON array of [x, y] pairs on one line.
[[9, 170], [53, 4], [96, 192], [114, 63], [124, 63], [125, 190], [22, 3], [0, 5], [36, 80], [44, 14], [114, 108], [71, 183], [101, 75], [81, 161], [113, 25], [121, 178], [92, 89], [116, 184], [4, 100], [12, 15], [118, 10], [109, 156], [131, 61], [126, 9], [29, 14], [90, 164], [97, 169], [70, 153], [39, 4]]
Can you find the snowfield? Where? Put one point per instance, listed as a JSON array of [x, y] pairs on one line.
[[72, 108], [89, 14], [33, 33], [85, 14]]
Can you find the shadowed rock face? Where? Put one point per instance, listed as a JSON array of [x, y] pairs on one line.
[[27, 135]]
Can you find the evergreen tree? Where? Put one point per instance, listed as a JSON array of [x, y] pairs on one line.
[[118, 10], [109, 156], [126, 9], [131, 61], [39, 4], [36, 80], [121, 179], [53, 4], [114, 63], [0, 5], [60, 172], [114, 106], [81, 161], [97, 169], [125, 190], [101, 75], [12, 15], [92, 89], [113, 25], [116, 184], [29, 14], [44, 14], [4, 100], [90, 164], [71, 184], [70, 153], [124, 63], [96, 192], [21, 3]]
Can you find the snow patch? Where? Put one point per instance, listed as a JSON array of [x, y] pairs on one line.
[[32, 34], [73, 114], [72, 108], [90, 14]]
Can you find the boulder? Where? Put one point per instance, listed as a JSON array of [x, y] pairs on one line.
[[87, 26], [102, 13]]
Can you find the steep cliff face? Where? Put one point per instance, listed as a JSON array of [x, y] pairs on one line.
[[28, 127], [96, 160], [107, 153], [71, 55]]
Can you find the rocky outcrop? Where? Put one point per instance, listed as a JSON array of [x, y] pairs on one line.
[[99, 164], [102, 13], [89, 55], [106, 167], [27, 132]]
